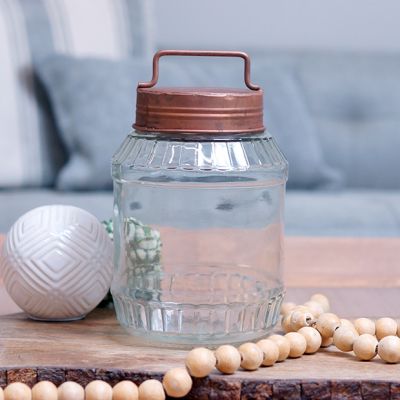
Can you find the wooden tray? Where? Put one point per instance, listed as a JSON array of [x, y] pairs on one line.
[[360, 276], [98, 348]]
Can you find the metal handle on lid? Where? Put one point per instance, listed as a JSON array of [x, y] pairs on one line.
[[202, 53]]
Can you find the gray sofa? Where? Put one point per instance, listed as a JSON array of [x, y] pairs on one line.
[[354, 102]]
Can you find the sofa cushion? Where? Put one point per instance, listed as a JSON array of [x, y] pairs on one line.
[[354, 101], [94, 102], [31, 29]]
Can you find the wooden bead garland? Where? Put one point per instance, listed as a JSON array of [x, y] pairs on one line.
[[313, 339], [321, 299], [326, 324], [326, 342], [309, 327], [152, 389], [300, 318], [125, 390], [287, 307], [98, 390], [44, 390], [200, 362], [316, 308], [348, 324], [270, 352], [177, 382], [365, 347], [385, 327], [228, 359], [298, 344], [71, 391], [17, 391], [389, 349], [252, 356], [344, 338], [365, 325], [286, 323], [283, 346]]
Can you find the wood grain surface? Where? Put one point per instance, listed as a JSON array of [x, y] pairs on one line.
[[98, 348], [361, 277]]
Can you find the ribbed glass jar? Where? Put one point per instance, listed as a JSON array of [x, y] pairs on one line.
[[198, 236]]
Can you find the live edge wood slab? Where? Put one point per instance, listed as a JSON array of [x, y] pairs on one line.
[[98, 348], [361, 276]]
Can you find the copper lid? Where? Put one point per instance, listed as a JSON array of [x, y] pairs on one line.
[[199, 110]]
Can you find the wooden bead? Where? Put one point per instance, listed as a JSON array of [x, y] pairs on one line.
[[286, 323], [287, 307], [299, 318], [348, 324], [364, 325], [177, 382], [298, 344], [344, 337], [315, 308], [17, 391], [321, 299], [283, 345], [313, 339], [398, 328], [389, 349], [385, 327], [125, 390], [152, 389], [98, 390], [45, 390], [200, 362], [302, 308], [228, 359], [326, 342], [327, 323], [270, 352], [71, 391], [364, 347], [252, 356]]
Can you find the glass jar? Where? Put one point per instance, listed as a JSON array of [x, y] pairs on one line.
[[198, 214]]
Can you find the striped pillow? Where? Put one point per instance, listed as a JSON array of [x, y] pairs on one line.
[[30, 152]]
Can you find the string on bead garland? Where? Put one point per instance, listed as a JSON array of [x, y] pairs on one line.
[[307, 327]]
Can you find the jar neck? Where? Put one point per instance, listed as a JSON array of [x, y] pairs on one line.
[[200, 137]]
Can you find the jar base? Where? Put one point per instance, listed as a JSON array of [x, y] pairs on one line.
[[183, 342], [187, 325]]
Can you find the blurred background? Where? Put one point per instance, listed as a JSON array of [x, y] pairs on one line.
[[330, 71], [259, 25]]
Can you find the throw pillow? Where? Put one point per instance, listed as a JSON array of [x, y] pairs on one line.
[[94, 104]]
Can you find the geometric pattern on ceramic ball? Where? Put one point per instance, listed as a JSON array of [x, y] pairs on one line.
[[57, 262]]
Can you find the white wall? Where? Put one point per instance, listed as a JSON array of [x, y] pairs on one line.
[[259, 24]]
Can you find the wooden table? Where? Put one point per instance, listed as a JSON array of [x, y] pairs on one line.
[[361, 276]]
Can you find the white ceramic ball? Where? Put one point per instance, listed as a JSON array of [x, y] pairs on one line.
[[57, 262]]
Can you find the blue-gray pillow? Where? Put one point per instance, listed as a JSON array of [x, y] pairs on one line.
[[94, 105]]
